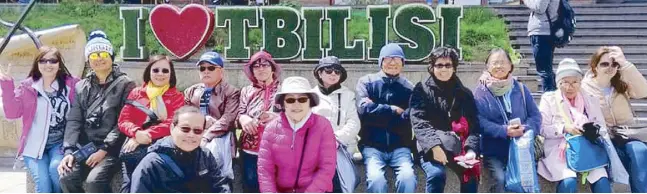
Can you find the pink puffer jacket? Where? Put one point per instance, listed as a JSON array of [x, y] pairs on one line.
[[280, 153]]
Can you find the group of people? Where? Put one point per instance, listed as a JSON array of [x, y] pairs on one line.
[[81, 132]]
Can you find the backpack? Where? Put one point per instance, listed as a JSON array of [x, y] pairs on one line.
[[565, 21]]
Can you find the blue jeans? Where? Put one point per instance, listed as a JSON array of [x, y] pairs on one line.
[[569, 185], [496, 168], [436, 177], [250, 173], [44, 171], [634, 158], [542, 50], [401, 162]]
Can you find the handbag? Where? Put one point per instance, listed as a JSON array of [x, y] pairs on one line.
[[583, 155], [625, 133], [538, 140], [521, 171], [220, 147], [346, 171]]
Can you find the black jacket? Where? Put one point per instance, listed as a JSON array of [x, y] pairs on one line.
[[200, 168], [107, 135], [430, 119]]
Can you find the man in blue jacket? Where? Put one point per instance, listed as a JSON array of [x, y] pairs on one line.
[[386, 136], [178, 164]]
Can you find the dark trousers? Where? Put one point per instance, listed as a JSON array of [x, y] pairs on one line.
[[542, 50], [250, 173], [97, 179]]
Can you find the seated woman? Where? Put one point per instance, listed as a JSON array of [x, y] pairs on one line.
[[158, 95], [445, 123], [298, 150], [499, 99], [614, 80], [577, 108]]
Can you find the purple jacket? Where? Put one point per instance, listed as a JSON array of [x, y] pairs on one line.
[[21, 102]]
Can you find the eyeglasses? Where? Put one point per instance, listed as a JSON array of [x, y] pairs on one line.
[[606, 64], [446, 66], [572, 84], [293, 100], [103, 55], [163, 70], [332, 70], [391, 60], [210, 68], [188, 129], [48, 61], [259, 65]]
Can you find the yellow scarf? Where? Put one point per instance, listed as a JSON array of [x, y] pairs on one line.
[[153, 92]]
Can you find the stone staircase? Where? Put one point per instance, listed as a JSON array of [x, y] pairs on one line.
[[623, 25]]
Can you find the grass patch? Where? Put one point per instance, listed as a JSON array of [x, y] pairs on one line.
[[481, 29]]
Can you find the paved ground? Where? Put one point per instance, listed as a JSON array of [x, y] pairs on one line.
[[11, 181]]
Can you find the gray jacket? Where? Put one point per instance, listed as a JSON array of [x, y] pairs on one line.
[[538, 21], [107, 136]]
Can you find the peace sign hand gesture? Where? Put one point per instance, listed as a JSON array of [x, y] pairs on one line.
[[5, 72]]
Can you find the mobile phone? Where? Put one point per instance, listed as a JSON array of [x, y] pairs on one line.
[[459, 158], [472, 162], [515, 121]]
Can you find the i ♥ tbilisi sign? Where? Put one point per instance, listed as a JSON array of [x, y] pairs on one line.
[[288, 33]]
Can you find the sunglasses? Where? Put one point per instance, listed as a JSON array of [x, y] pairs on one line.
[[293, 100], [48, 61], [446, 66], [331, 70], [261, 65], [163, 70], [103, 55], [606, 64], [188, 129], [210, 68]]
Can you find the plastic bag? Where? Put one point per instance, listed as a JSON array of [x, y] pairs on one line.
[[521, 171]]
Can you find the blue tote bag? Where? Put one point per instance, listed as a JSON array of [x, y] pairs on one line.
[[521, 171]]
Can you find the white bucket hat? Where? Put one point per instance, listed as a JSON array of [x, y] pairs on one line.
[[296, 85]]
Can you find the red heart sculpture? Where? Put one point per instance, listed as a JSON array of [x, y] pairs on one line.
[[182, 32]]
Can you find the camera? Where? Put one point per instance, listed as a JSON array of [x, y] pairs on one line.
[[94, 120]]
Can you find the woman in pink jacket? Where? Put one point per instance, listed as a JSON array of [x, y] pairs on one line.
[[298, 150], [42, 101], [579, 108]]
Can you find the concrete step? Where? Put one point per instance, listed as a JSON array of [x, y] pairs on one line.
[[625, 33], [585, 57], [575, 6], [591, 48], [628, 51], [588, 42], [640, 63], [589, 25], [533, 70], [581, 11], [607, 18]]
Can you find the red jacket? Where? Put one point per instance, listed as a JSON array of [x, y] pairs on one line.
[[131, 119], [280, 153]]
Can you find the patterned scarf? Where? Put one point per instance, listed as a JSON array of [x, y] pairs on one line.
[[497, 86]]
